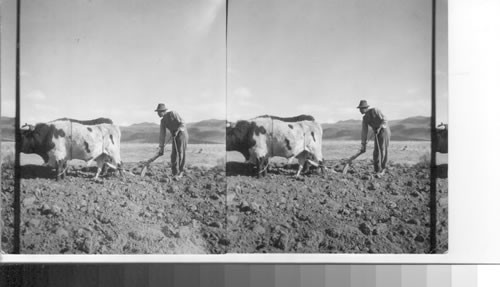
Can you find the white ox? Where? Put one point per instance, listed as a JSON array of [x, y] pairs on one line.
[[264, 137], [62, 140]]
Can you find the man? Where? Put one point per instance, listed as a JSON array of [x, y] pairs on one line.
[[173, 122], [375, 119]]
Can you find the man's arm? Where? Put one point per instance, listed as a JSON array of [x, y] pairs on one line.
[[364, 135], [176, 117], [380, 115], [162, 136]]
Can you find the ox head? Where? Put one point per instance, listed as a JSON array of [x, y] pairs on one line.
[[441, 144], [36, 139], [27, 138], [239, 137]]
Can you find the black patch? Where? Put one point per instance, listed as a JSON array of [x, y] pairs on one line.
[[86, 144], [298, 118], [312, 133], [38, 141], [239, 137], [58, 133], [259, 130], [111, 137], [90, 129], [288, 144], [89, 122], [290, 126]]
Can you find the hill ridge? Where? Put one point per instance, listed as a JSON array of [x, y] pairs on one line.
[[212, 131]]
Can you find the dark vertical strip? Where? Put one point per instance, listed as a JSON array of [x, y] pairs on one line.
[[262, 275], [212, 275], [111, 275], [61, 275], [86, 275], [433, 198], [287, 275], [161, 275], [225, 162], [363, 275], [237, 275], [11, 275], [187, 275], [135, 275], [312, 275], [17, 170], [338, 275], [35, 275]]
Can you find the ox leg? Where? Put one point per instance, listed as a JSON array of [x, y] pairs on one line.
[[265, 165], [302, 161], [105, 169], [115, 167], [322, 167], [60, 169], [262, 166], [65, 168], [306, 166], [120, 168], [259, 165], [299, 170], [100, 165]]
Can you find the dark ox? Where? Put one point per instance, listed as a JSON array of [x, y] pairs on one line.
[[441, 144], [88, 122], [264, 137], [290, 119], [62, 140]]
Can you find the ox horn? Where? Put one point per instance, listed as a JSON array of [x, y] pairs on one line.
[[27, 126]]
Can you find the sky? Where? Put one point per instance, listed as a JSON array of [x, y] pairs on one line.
[[116, 59], [322, 57], [120, 58]]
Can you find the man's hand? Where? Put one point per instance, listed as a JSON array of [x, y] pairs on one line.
[[160, 150], [362, 149]]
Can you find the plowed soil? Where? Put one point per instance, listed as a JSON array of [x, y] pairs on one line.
[[131, 215], [333, 212], [317, 213]]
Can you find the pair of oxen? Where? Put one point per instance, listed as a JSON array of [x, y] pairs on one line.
[[266, 136], [257, 139], [65, 139]]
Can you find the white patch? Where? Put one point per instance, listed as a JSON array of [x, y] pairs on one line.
[[101, 148], [303, 146]]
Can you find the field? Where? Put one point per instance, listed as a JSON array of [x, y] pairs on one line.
[[333, 212], [132, 215], [155, 214], [200, 155]]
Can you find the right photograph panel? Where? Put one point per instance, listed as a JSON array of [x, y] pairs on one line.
[[328, 139]]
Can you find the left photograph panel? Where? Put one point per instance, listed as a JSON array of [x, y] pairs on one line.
[[122, 127]]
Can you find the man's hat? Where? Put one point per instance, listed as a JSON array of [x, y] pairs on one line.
[[161, 107], [363, 104]]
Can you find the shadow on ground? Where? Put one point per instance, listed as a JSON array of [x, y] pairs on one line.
[[30, 171]]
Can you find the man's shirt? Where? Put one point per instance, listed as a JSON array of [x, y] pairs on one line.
[[373, 118], [171, 121]]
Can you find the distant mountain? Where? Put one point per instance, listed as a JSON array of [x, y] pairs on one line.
[[213, 131], [8, 129], [413, 128], [203, 132]]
